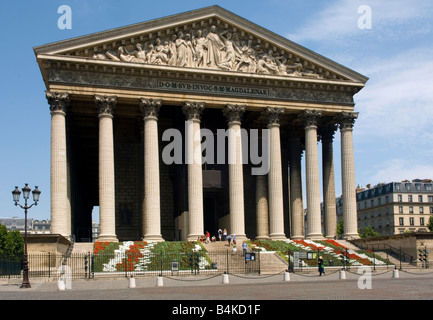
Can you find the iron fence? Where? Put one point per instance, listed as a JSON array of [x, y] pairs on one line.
[[90, 265]]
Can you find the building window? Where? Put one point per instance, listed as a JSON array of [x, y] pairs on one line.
[[431, 209], [400, 198], [400, 220], [387, 222], [410, 198], [387, 199], [400, 209], [410, 209], [421, 221], [428, 187], [379, 201], [421, 210], [407, 185], [386, 211], [430, 198], [397, 186], [372, 213], [411, 221], [420, 198], [418, 186]]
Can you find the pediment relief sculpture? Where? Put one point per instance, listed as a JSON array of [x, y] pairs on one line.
[[208, 48]]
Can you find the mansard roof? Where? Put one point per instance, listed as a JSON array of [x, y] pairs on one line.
[[233, 45]]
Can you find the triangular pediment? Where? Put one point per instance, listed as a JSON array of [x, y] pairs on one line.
[[212, 39]]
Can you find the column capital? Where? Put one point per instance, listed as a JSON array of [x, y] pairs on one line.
[[327, 132], [58, 101], [233, 113], [193, 110], [346, 120], [105, 105], [150, 107], [311, 117], [272, 115]]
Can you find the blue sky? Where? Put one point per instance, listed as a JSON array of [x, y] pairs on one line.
[[392, 136]]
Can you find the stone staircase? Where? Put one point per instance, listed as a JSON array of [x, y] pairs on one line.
[[270, 262]]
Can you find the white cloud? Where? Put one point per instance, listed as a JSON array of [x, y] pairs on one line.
[[389, 20], [398, 100], [401, 169]]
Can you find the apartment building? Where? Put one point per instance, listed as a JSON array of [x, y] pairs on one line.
[[395, 207]]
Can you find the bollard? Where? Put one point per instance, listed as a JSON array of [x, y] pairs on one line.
[[60, 284], [132, 282], [395, 273], [286, 276], [225, 278], [159, 282], [342, 274]]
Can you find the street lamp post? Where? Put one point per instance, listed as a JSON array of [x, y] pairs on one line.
[[16, 196]]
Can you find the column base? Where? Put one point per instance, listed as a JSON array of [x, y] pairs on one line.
[[277, 236], [108, 238], [153, 237], [297, 237], [351, 236], [314, 236], [262, 238], [194, 237]]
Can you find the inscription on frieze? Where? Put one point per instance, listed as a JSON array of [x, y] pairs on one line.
[[212, 89]]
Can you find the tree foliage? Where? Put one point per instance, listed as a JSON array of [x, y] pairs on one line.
[[11, 242], [369, 232]]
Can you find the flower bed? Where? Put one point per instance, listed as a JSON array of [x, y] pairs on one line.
[[330, 250], [147, 256]]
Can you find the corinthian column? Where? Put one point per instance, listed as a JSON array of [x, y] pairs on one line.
[[329, 206], [60, 224], [262, 213], [312, 175], [193, 112], [296, 203], [233, 114], [346, 121], [107, 211], [152, 203], [275, 176]]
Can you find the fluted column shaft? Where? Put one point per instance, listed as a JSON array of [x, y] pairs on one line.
[[152, 202], [105, 106], [347, 121], [329, 206], [233, 114], [59, 170], [193, 112], [312, 178], [296, 203], [262, 207], [275, 176]]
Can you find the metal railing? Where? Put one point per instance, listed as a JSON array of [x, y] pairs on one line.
[[90, 265]]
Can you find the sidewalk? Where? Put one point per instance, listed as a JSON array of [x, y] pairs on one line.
[[407, 286]]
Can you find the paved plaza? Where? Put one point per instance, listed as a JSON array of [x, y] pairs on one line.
[[383, 284], [232, 296]]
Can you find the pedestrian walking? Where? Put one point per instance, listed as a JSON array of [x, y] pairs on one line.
[[321, 267], [229, 238], [220, 234], [224, 234]]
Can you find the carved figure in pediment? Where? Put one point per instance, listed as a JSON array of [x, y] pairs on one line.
[[190, 51], [181, 49], [199, 43], [231, 52], [172, 51], [160, 54], [214, 47], [140, 54], [208, 48]]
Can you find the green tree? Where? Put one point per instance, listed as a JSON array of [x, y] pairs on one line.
[[369, 232], [340, 228], [11, 242], [430, 223]]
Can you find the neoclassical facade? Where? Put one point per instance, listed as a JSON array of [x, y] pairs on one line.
[[195, 122]]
